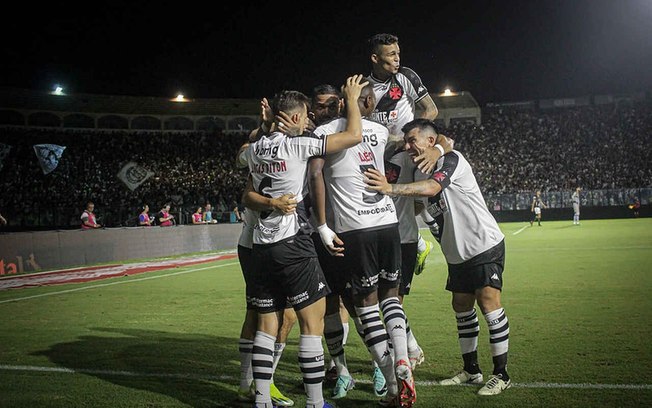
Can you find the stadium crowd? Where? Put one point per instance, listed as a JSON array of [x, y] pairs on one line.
[[595, 147]]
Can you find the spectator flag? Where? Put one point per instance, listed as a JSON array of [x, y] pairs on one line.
[[48, 156], [133, 175], [4, 152]]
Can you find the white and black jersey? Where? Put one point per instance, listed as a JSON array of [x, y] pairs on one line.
[[576, 202], [278, 166], [466, 226], [396, 98], [249, 221], [350, 205], [401, 169]]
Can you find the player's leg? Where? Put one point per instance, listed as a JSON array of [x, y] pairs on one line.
[[415, 353], [311, 351], [488, 298], [334, 335], [463, 280], [305, 286], [389, 263], [467, 332], [289, 319], [248, 331], [263, 354], [424, 247]]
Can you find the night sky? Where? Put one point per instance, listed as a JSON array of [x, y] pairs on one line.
[[497, 50]]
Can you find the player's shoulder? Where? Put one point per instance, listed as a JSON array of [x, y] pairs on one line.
[[409, 73], [329, 126], [374, 124]]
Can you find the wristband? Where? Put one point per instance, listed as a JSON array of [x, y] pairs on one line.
[[441, 149]]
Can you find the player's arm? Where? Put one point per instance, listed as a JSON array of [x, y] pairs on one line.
[[428, 157], [352, 135], [240, 157], [285, 204], [318, 196], [532, 206], [266, 121], [427, 108], [378, 182]]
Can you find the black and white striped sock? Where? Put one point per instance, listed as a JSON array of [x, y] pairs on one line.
[[394, 318], [467, 332], [262, 361], [376, 340], [499, 339], [334, 335], [246, 374], [311, 362]]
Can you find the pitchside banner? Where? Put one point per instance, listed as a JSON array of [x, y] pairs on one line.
[[134, 175], [48, 156], [4, 152]]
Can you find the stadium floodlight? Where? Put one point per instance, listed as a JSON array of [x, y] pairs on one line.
[[447, 92], [180, 98], [58, 90]]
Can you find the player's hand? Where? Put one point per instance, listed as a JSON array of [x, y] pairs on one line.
[[287, 126], [353, 87], [310, 125], [266, 113], [285, 204], [329, 239], [427, 157], [377, 181]]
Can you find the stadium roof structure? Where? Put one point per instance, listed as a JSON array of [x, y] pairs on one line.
[[457, 100], [25, 99]]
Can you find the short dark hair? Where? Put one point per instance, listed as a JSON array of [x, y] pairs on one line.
[[325, 89], [421, 124], [381, 39], [89, 204], [287, 101]]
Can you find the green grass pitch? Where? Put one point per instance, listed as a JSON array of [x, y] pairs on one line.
[[578, 300]]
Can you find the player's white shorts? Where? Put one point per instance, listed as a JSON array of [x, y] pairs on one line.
[[537, 210]]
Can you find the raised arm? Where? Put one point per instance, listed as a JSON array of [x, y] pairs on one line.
[[352, 135]]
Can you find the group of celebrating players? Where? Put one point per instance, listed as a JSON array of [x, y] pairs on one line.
[[336, 182]]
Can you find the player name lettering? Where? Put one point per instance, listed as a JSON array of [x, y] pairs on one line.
[[382, 117], [366, 156], [274, 167]]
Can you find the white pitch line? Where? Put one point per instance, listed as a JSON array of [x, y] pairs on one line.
[[519, 231], [189, 376], [113, 283]]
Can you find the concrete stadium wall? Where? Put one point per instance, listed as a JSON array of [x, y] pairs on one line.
[[31, 251], [561, 214]]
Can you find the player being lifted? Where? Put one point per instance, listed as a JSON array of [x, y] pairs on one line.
[[399, 93], [474, 249], [287, 267]]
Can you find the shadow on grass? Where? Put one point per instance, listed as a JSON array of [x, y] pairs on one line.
[[196, 369]]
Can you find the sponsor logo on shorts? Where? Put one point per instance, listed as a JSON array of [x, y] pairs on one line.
[[495, 276], [368, 282], [390, 276], [262, 302], [321, 286], [301, 297]]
